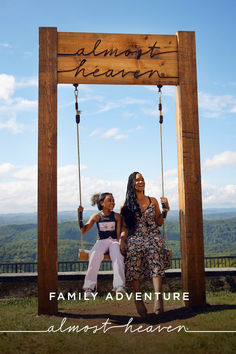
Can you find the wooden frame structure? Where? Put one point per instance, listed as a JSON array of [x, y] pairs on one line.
[[95, 58]]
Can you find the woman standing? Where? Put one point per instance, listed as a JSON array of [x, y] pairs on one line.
[[142, 240]]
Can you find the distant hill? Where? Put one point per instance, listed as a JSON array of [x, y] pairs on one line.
[[63, 216], [18, 242], [31, 218]]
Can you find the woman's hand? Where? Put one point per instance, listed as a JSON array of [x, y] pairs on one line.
[[165, 203], [123, 246]]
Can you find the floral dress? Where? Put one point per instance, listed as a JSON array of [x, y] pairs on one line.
[[144, 257]]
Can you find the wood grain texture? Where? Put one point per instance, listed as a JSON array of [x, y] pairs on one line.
[[47, 171], [120, 59], [98, 58], [189, 172]]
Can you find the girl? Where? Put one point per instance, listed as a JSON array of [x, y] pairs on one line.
[[109, 228], [141, 238]]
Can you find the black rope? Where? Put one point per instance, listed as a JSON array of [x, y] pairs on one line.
[[160, 104], [77, 119]]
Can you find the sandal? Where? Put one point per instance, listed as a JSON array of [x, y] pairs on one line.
[[158, 307], [140, 307]]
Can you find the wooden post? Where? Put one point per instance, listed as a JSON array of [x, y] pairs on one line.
[[189, 173], [47, 171]]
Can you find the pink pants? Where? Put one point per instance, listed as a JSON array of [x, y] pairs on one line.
[[95, 258]]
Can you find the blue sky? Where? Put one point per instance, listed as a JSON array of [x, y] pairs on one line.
[[119, 128]]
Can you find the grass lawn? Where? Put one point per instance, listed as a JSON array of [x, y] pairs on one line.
[[87, 316]]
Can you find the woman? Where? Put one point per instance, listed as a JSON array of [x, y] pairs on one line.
[[142, 240]]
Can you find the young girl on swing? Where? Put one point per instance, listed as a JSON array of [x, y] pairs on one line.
[[109, 228]]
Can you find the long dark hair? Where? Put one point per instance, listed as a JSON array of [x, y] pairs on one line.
[[131, 207], [98, 198]]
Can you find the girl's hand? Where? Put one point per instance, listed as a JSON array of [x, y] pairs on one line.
[[80, 209]]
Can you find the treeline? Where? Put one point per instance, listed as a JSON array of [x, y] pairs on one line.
[[18, 243]]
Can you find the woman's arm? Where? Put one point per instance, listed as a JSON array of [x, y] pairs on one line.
[[158, 214], [124, 234], [118, 225], [159, 217], [89, 224]]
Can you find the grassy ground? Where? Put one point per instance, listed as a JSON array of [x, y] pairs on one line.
[[21, 314]]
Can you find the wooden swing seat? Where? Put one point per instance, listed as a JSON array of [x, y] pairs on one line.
[[84, 256]]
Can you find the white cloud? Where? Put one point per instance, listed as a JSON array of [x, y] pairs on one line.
[[214, 106], [171, 173], [139, 127], [22, 104], [226, 158], [232, 110], [69, 170], [5, 45], [5, 168], [26, 82], [20, 194], [18, 105], [11, 105], [26, 173], [210, 105], [91, 98], [213, 196], [110, 133], [69, 196], [12, 125], [121, 136], [153, 188], [107, 107], [7, 86], [86, 98], [121, 103], [95, 132], [150, 112]]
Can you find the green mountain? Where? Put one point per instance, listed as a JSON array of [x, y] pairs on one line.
[[18, 242]]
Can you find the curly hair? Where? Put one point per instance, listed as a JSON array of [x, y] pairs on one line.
[[131, 207], [98, 198]]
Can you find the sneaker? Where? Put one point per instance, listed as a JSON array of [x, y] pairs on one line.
[[88, 293], [120, 289]]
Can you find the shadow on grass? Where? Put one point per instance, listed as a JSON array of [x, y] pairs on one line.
[[181, 313]]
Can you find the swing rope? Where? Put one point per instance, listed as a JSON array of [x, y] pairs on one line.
[[77, 119], [162, 169], [83, 255]]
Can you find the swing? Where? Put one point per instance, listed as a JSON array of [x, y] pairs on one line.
[[168, 252], [83, 254]]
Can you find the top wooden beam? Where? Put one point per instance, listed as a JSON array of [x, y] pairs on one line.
[[103, 58]]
